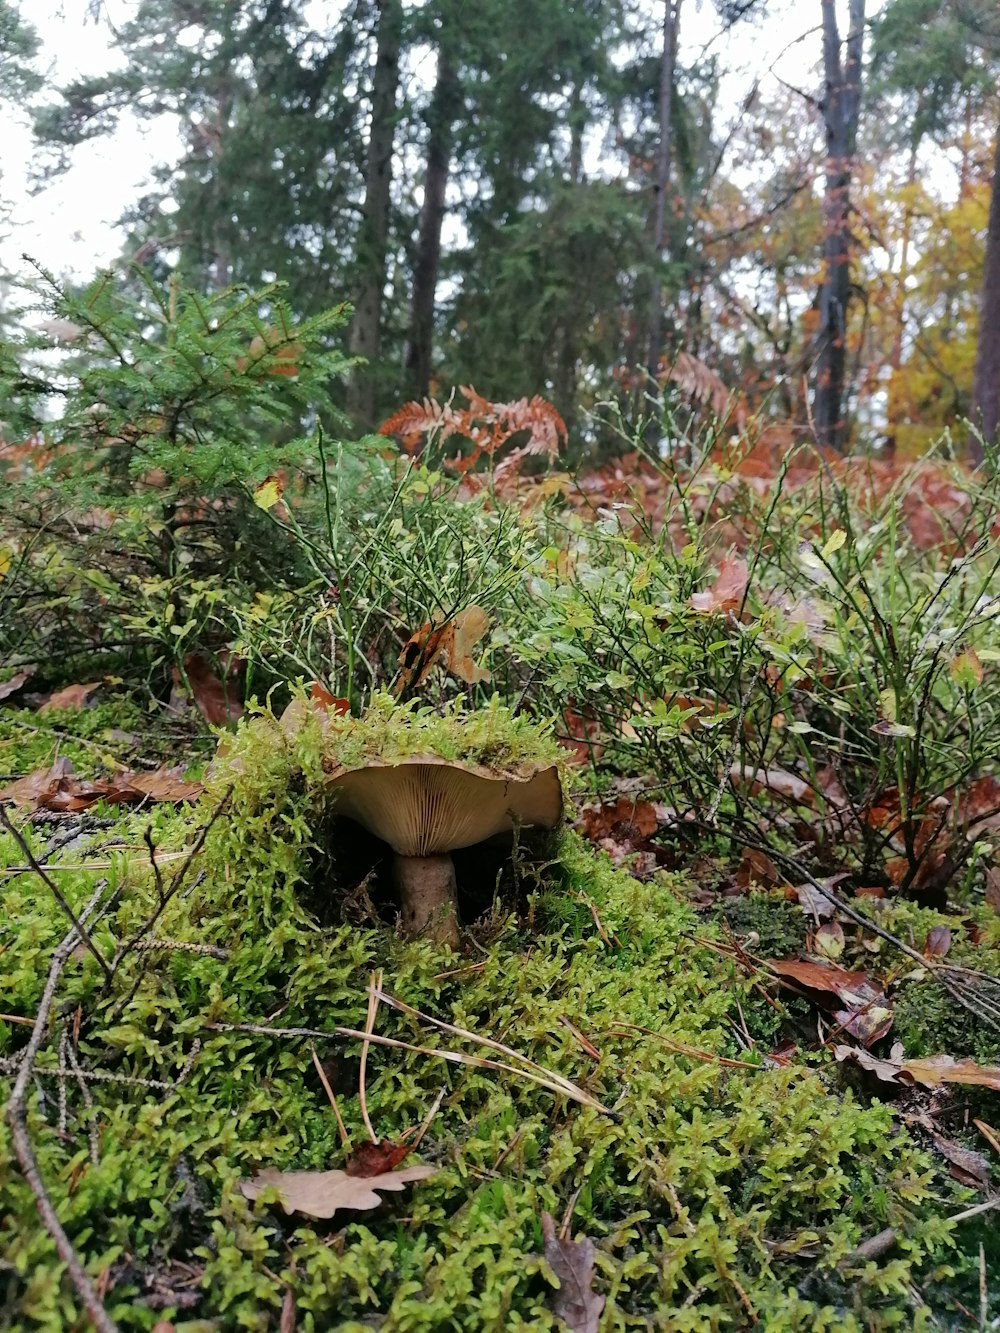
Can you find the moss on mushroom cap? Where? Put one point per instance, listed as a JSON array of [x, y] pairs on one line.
[[491, 739]]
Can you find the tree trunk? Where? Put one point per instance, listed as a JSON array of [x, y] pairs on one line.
[[441, 116], [902, 278], [668, 69], [373, 239], [840, 105], [986, 385]]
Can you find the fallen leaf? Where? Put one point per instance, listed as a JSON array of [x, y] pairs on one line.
[[777, 780], [449, 645], [375, 1159], [815, 903], [572, 1261], [11, 686], [756, 867], [216, 696], [930, 1072], [865, 1012], [46, 789], [323, 1193], [329, 703], [161, 785], [938, 942], [969, 1167], [828, 939], [58, 788], [72, 697], [728, 591]]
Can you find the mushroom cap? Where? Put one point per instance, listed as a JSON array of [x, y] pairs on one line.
[[427, 806]]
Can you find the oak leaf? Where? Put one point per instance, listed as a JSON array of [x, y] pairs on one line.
[[930, 1072], [323, 1193]]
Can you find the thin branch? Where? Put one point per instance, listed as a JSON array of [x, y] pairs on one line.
[[79, 930], [164, 895], [17, 1119]]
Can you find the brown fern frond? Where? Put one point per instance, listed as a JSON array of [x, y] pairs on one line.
[[487, 426], [700, 382]]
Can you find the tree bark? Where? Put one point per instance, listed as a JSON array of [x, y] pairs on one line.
[[986, 384], [441, 116], [902, 278], [668, 71], [841, 104], [373, 240]]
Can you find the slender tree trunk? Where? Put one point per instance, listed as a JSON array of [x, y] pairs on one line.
[[373, 240], [441, 116], [896, 355], [668, 70], [840, 105], [986, 384]]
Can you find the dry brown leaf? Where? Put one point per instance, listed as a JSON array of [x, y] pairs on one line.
[[45, 788], [72, 697], [728, 591], [326, 702], [9, 687], [449, 645], [938, 942], [865, 1012], [813, 902], [777, 780], [58, 788], [323, 1193], [217, 698], [162, 784], [969, 1167], [930, 1072], [375, 1159], [572, 1261]]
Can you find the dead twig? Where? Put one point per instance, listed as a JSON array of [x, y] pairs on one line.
[[345, 1141], [79, 930], [960, 991], [17, 1119], [164, 893], [374, 989]]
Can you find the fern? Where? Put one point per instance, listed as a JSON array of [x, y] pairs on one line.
[[483, 425]]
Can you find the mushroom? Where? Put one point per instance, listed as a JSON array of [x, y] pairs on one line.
[[426, 807]]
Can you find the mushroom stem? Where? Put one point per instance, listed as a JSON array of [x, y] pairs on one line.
[[428, 896]]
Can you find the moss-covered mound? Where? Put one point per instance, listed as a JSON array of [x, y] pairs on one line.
[[716, 1194]]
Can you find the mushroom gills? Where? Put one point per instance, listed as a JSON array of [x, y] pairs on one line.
[[428, 897]]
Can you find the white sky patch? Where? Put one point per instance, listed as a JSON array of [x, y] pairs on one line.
[[69, 226]]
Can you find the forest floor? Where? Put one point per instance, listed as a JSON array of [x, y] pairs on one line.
[[639, 1097]]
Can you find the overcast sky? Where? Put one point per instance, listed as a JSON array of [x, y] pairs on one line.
[[70, 226]]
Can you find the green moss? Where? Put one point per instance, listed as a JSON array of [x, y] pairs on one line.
[[708, 1179]]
